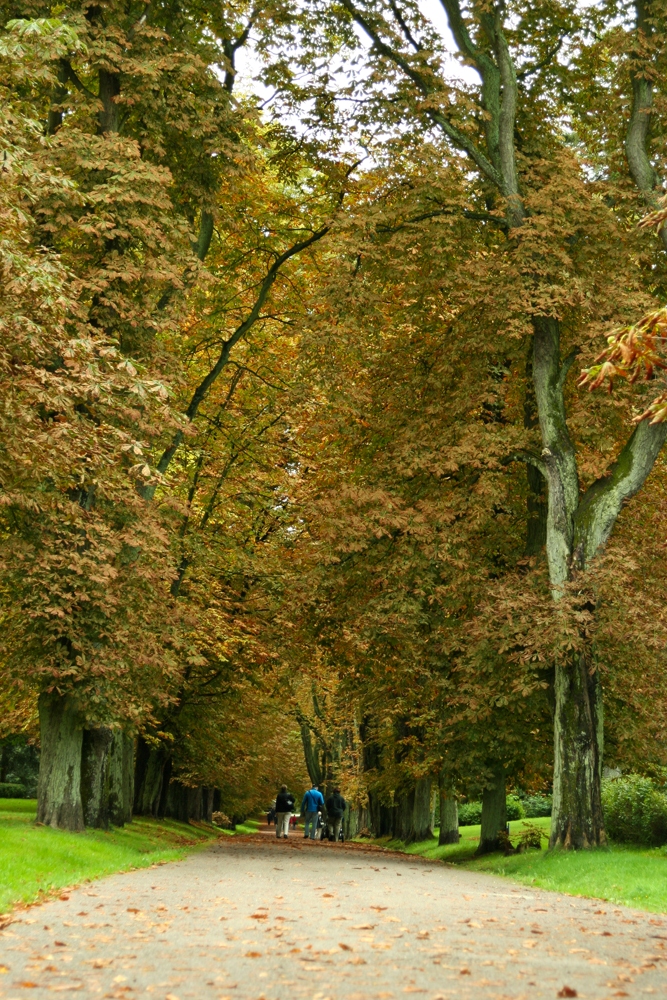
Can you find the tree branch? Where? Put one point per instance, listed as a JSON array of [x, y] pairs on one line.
[[254, 315], [603, 501]]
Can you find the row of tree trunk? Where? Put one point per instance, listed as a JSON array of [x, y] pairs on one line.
[[93, 777]]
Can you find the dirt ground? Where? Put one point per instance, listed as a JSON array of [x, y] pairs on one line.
[[254, 918]]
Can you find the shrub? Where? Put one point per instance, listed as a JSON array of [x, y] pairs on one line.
[[537, 805], [514, 807], [470, 814], [635, 811], [10, 790]]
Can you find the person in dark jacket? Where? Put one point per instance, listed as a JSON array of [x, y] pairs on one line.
[[336, 806], [284, 810]]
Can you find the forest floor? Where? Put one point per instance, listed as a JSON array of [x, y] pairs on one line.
[[37, 862], [622, 874], [254, 918]]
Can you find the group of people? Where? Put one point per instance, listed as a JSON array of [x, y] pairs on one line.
[[313, 807]]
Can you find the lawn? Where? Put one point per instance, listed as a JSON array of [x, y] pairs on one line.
[[631, 876], [36, 861]]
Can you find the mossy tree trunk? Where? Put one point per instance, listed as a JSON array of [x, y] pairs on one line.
[[95, 749], [107, 767], [59, 784], [449, 816], [494, 814]]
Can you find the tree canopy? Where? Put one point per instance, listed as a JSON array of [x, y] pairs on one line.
[[332, 404]]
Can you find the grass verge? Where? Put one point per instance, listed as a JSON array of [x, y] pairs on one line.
[[36, 861], [619, 874]]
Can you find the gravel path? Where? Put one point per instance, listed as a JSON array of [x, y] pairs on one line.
[[253, 918]]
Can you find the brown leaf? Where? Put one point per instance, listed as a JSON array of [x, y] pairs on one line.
[[345, 947], [567, 991], [465, 972], [253, 954]]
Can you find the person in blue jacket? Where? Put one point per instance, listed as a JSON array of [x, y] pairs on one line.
[[312, 801]]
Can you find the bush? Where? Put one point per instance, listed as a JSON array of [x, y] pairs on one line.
[[635, 811], [9, 790], [537, 805], [514, 807], [470, 814]]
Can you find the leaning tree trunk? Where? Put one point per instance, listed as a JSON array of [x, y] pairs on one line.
[[449, 818], [59, 784], [494, 814], [577, 819]]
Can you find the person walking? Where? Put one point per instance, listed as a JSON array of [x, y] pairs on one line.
[[336, 806], [312, 801], [284, 810]]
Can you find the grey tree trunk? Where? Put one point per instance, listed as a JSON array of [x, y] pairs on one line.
[[107, 767], [577, 819], [59, 783], [120, 778], [449, 818], [148, 793], [413, 813], [423, 815], [95, 749], [494, 814]]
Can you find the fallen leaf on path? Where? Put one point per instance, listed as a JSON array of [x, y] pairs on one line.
[[357, 960], [83, 913], [465, 972], [60, 944], [27, 985], [345, 947], [119, 979], [3, 968], [101, 963], [259, 916], [567, 991], [529, 944], [130, 909], [253, 954], [363, 927], [379, 909], [63, 896]]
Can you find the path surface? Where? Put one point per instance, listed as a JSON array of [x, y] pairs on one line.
[[254, 918]]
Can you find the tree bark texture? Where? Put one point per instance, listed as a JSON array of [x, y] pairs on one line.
[[184, 803], [449, 818], [149, 779], [95, 751], [207, 804], [494, 814], [577, 819], [413, 813], [107, 777], [59, 784]]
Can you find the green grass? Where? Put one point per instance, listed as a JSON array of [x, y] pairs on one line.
[[631, 876], [36, 861]]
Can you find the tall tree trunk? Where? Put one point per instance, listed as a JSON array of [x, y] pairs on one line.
[[494, 814], [449, 816], [59, 784], [207, 810], [577, 819], [148, 792], [120, 780], [312, 755], [422, 814], [95, 750]]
